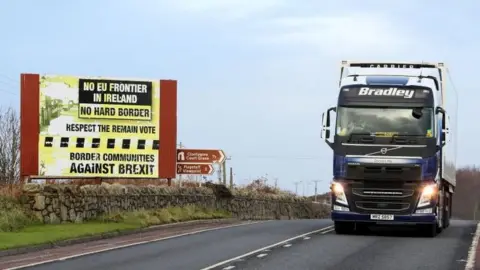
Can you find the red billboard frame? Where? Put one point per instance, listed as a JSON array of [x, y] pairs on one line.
[[30, 127]]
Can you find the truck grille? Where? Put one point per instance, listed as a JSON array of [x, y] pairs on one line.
[[384, 173], [383, 206], [383, 197]]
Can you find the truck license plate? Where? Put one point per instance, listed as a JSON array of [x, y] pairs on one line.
[[381, 217]]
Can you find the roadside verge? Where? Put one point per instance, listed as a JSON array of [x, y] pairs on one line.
[[107, 235]]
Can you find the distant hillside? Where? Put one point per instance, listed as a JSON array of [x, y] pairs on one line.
[[320, 196], [467, 193]]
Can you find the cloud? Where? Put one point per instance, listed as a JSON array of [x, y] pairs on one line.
[[223, 9], [351, 34]]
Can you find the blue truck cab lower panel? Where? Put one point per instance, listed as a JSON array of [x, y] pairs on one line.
[[398, 196], [398, 219]]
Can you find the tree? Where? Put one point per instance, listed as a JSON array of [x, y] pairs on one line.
[[9, 146]]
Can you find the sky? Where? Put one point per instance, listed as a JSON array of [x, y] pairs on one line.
[[253, 76]]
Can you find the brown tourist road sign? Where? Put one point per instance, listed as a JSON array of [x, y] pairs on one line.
[[200, 156], [194, 169]]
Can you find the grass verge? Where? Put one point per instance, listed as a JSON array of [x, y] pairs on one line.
[[35, 234]]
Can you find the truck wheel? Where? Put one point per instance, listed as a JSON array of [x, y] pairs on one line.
[[447, 209], [342, 227]]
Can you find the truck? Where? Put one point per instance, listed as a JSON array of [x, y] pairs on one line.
[[392, 133]]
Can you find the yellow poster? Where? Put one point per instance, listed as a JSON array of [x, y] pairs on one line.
[[98, 127]]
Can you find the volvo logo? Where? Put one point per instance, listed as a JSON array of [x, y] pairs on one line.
[[383, 151]]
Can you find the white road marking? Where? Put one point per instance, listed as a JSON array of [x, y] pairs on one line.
[[306, 238], [287, 245], [229, 267], [325, 232], [473, 250], [132, 244], [262, 255], [263, 248], [26, 259]]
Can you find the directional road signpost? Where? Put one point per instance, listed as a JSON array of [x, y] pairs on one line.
[[198, 161]]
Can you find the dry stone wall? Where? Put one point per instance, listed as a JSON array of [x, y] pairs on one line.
[[71, 203]]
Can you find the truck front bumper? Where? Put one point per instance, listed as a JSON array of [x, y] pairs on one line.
[[398, 219]]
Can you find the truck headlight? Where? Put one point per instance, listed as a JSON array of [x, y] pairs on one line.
[[428, 193], [339, 192]]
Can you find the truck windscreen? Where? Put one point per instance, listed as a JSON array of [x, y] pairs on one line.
[[385, 121]]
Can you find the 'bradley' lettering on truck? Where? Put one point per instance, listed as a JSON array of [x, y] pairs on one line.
[[392, 91]]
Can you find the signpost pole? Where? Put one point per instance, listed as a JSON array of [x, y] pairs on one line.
[[224, 172]]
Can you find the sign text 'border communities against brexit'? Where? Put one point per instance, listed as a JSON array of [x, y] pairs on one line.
[[104, 163], [115, 99]]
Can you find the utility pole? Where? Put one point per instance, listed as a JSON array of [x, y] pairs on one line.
[[224, 170], [276, 182], [316, 182], [231, 177], [219, 172], [296, 186]]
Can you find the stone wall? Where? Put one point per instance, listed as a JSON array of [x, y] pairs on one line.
[[70, 203]]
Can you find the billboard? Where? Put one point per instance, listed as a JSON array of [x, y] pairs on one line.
[[100, 127]]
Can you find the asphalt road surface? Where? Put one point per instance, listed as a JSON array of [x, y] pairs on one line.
[[379, 249]]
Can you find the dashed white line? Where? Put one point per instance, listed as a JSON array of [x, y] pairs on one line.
[[229, 267], [306, 238], [328, 231], [287, 245], [473, 250], [132, 244], [262, 255], [264, 248]]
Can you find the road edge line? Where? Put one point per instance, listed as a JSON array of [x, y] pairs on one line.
[[266, 247], [134, 244], [472, 252]]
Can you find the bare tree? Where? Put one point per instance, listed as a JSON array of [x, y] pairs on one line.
[[9, 146]]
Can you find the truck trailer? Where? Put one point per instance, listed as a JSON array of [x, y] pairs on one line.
[[394, 146]]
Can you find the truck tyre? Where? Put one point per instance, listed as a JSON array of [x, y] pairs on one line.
[[439, 225], [342, 227], [447, 209]]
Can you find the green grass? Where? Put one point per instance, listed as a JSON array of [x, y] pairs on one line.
[[34, 234], [42, 234]]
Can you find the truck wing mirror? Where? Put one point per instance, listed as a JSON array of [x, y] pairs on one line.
[[444, 130], [328, 115], [326, 125]]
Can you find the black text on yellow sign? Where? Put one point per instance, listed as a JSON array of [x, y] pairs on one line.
[[111, 111], [112, 169], [112, 164]]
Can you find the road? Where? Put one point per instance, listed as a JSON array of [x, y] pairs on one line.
[[379, 249]]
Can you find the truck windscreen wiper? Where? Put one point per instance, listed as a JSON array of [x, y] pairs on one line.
[[363, 135], [398, 137]]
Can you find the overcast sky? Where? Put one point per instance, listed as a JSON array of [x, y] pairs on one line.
[[254, 76]]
